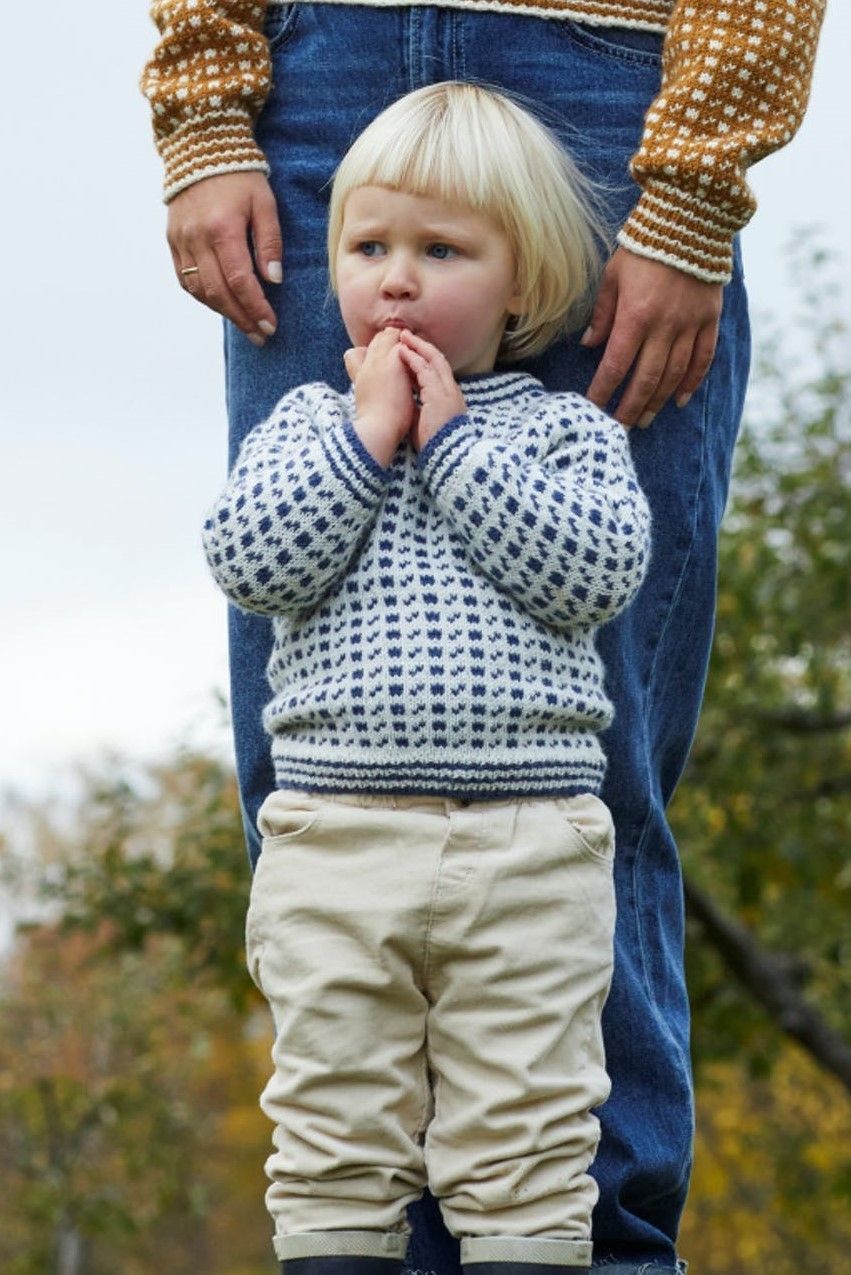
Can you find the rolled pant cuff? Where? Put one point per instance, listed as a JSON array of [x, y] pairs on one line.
[[514, 1248], [391, 1244], [640, 1268]]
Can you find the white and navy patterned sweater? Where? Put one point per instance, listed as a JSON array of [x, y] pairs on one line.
[[435, 620]]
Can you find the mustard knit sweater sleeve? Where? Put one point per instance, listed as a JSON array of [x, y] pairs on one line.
[[206, 81], [736, 77]]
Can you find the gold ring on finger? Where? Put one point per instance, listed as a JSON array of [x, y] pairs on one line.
[[189, 270]]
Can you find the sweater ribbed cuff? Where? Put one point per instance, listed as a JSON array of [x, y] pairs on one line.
[[682, 230], [364, 466], [223, 143], [355, 466], [443, 450]]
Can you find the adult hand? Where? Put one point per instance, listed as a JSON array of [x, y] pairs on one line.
[[660, 318], [209, 224]]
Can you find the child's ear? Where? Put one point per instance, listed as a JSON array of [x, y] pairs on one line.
[[515, 303]]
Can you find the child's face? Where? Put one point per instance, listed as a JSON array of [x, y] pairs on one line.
[[444, 271]]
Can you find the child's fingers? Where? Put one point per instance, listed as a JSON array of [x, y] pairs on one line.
[[386, 337], [420, 367], [353, 360], [435, 358], [435, 383], [422, 346]]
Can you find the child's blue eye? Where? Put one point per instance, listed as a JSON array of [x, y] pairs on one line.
[[369, 248], [441, 251]]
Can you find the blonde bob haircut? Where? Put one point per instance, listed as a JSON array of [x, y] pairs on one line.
[[469, 145]]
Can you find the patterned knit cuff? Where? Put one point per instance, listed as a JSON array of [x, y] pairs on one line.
[[355, 464], [671, 225], [362, 463], [443, 451], [222, 143]]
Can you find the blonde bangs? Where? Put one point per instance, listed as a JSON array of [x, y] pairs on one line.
[[472, 146]]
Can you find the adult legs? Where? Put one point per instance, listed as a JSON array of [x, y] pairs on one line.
[[656, 654]]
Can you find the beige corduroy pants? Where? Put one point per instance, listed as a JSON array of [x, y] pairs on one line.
[[436, 971]]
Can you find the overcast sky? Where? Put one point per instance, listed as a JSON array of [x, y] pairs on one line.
[[111, 396]]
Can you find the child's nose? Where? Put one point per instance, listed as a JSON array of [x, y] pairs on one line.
[[399, 279]]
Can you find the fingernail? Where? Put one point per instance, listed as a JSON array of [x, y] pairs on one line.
[[586, 337], [683, 399], [265, 326], [255, 339], [646, 419], [276, 271]]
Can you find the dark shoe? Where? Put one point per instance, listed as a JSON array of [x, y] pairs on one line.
[[522, 1268], [341, 1266]]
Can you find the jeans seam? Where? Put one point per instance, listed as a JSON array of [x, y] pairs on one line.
[[412, 21], [458, 61], [650, 697]]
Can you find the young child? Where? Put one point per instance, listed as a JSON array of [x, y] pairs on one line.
[[432, 915]]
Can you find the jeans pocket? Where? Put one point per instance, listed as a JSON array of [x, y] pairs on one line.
[[280, 23], [623, 44]]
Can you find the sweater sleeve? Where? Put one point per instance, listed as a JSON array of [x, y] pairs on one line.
[[736, 78], [295, 511], [568, 537], [206, 81]]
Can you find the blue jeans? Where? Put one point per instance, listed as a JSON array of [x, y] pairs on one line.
[[335, 67]]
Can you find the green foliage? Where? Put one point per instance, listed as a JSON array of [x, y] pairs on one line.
[[762, 814], [164, 855]]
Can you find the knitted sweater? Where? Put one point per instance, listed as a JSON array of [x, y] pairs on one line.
[[435, 620], [734, 87]]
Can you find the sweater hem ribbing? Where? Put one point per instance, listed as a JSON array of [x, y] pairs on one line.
[[594, 13], [470, 780]]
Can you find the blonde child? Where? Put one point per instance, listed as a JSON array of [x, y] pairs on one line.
[[432, 915]]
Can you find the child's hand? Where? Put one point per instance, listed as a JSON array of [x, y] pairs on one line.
[[384, 398], [440, 396], [353, 361]]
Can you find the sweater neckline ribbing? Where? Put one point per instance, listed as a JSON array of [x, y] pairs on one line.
[[482, 389]]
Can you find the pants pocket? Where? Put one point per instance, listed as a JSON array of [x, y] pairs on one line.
[[287, 814], [590, 821]]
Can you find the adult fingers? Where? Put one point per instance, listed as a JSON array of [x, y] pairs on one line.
[[266, 235], [214, 291], [605, 309], [649, 370], [629, 341], [186, 271], [243, 299], [214, 217], [701, 361], [679, 359]]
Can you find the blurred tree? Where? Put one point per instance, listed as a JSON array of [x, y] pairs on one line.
[[772, 1170], [132, 1044], [762, 814]]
